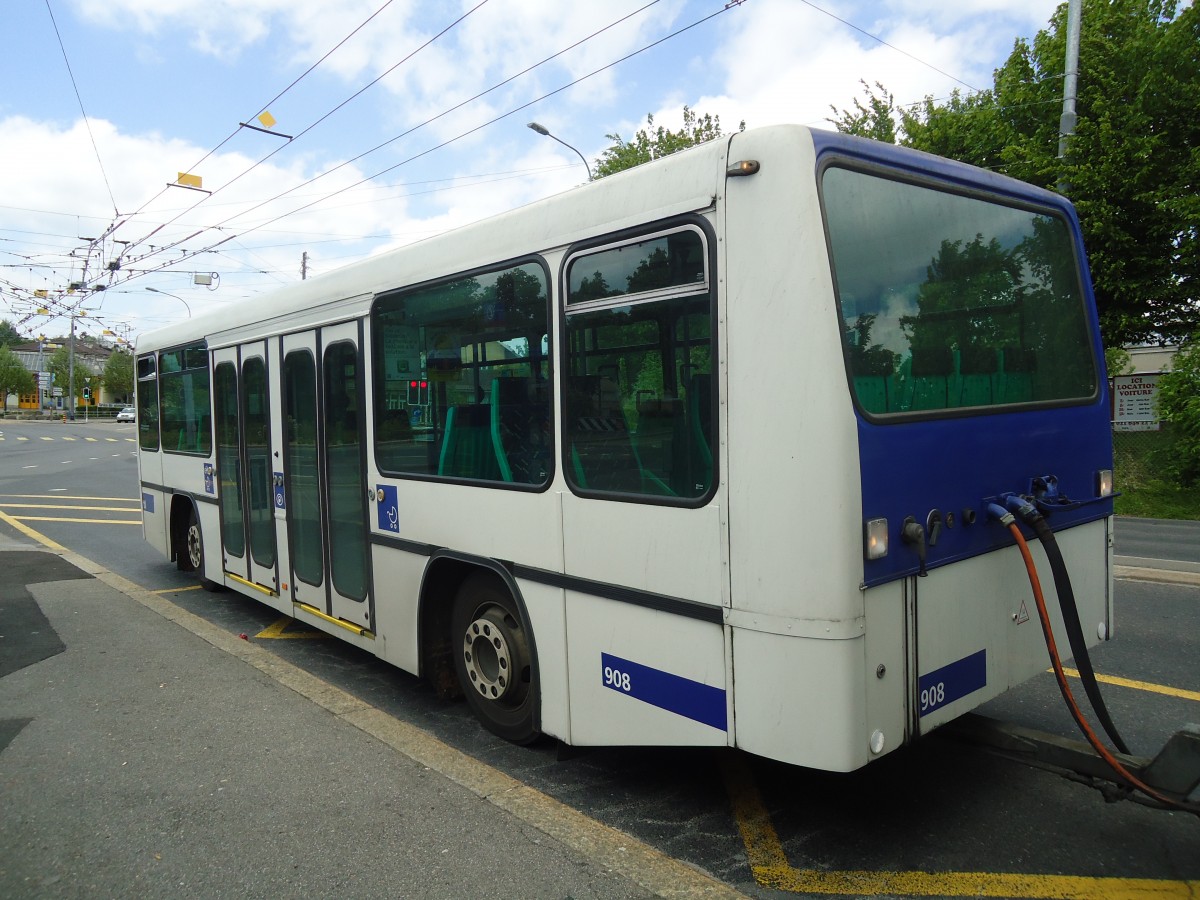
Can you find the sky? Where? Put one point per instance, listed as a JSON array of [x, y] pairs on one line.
[[393, 121]]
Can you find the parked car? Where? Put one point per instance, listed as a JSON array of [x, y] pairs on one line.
[[128, 414]]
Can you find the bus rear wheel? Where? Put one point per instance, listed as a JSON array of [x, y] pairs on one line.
[[493, 659], [191, 556]]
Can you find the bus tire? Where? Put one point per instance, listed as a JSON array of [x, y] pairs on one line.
[[190, 557], [493, 659]]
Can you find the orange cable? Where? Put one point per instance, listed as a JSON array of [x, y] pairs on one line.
[[1063, 685]]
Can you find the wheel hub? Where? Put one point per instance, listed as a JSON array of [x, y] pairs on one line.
[[488, 657]]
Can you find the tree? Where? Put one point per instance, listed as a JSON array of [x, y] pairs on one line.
[[1132, 168], [653, 142], [8, 334], [60, 366], [14, 377], [876, 119], [118, 375], [1179, 405]]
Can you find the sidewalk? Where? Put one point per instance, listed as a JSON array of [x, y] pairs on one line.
[[139, 758]]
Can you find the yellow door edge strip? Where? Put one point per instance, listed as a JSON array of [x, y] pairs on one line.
[[251, 584], [340, 623]]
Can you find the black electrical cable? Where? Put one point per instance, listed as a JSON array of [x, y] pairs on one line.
[[1070, 614]]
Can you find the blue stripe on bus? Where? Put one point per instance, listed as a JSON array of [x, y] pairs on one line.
[[700, 702], [953, 681]]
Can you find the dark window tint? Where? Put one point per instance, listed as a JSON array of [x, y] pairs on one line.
[[343, 471], [638, 392], [229, 469], [147, 404], [185, 402], [304, 489], [461, 373], [949, 301], [673, 260]]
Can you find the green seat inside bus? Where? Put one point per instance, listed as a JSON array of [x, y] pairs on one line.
[[467, 448], [603, 455]]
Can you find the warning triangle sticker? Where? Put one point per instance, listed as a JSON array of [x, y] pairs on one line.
[[1023, 615]]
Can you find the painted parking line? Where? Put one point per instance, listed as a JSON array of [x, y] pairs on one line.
[[1181, 693], [288, 629], [136, 521], [771, 869]]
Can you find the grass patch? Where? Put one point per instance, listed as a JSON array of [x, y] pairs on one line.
[[1139, 463]]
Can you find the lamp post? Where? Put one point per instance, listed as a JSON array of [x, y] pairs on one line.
[[177, 297], [542, 130]]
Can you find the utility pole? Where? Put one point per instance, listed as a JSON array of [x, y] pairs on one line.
[[1066, 124], [71, 372]]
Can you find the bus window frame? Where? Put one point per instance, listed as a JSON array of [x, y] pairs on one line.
[[625, 236], [193, 346], [150, 357], [840, 160], [376, 336]]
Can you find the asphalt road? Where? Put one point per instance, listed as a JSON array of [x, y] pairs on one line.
[[934, 819]]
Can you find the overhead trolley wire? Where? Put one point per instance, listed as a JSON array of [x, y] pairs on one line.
[[349, 99], [440, 115], [86, 122], [117, 224], [446, 143]]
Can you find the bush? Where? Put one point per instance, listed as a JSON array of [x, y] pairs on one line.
[[1179, 405]]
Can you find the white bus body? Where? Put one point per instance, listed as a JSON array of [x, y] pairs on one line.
[[739, 608]]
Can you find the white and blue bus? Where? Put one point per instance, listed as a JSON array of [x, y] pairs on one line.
[[697, 454]]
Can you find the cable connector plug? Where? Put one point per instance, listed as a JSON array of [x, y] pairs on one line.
[[1022, 508], [1000, 514]]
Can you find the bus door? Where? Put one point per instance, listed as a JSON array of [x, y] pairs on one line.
[[244, 472], [327, 519]]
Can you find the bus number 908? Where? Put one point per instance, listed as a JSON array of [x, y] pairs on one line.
[[616, 679], [933, 696]]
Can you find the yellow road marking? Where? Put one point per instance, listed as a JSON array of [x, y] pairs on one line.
[[47, 439], [279, 631], [22, 439], [67, 438], [57, 506], [93, 440], [1139, 685], [770, 866], [177, 590], [67, 497], [84, 521], [30, 533]]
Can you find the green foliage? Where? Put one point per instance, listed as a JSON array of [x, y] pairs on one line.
[[8, 334], [60, 365], [653, 142], [876, 119], [1145, 488], [1179, 408], [14, 377], [1132, 167], [1117, 361], [118, 375]]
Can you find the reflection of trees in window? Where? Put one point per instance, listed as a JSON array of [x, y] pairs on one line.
[[867, 358], [970, 299]]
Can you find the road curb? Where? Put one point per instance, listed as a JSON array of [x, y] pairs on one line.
[[1158, 576], [641, 863]]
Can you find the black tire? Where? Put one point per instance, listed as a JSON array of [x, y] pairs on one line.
[[190, 555], [493, 658]]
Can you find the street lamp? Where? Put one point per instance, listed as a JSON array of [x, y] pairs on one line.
[[542, 130], [176, 296]]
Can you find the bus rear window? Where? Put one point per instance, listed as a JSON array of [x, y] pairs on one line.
[[950, 302]]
